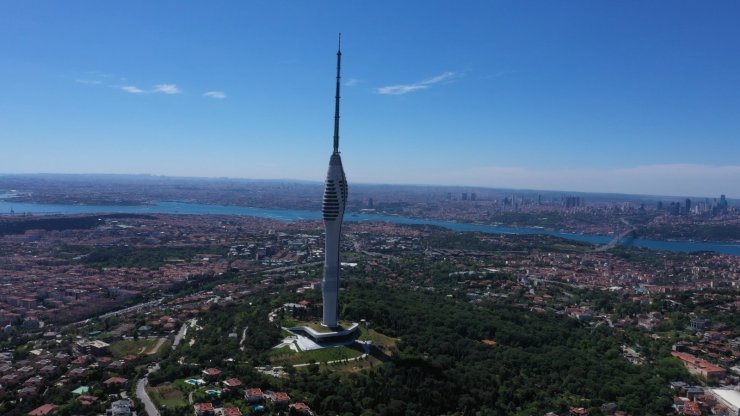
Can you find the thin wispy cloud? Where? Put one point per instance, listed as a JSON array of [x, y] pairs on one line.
[[160, 88], [132, 89], [219, 95], [351, 82], [94, 78], [439, 78], [417, 86], [166, 89], [100, 78], [400, 89]]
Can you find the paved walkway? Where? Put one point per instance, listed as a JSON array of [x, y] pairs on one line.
[[345, 360], [280, 368], [244, 338]]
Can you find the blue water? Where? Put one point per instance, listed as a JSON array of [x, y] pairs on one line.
[[294, 215]]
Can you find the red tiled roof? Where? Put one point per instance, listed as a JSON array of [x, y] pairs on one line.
[[692, 409], [203, 407], [254, 392], [231, 411], [43, 410], [87, 399], [696, 361], [280, 396], [115, 380], [233, 382]]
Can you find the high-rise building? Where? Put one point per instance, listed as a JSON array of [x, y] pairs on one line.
[[572, 201], [335, 200]]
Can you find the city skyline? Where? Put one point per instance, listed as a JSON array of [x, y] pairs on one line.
[[578, 97]]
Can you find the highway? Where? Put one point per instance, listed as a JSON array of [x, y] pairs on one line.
[[119, 312]]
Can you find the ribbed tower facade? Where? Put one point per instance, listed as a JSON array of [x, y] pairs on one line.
[[335, 199]]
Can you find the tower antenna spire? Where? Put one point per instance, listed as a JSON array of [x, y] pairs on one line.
[[336, 97]]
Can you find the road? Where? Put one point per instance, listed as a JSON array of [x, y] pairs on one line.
[[141, 393], [180, 335], [287, 268], [118, 312]]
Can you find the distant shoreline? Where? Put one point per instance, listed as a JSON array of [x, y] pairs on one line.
[[297, 215]]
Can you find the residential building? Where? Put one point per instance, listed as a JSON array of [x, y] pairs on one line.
[[700, 367], [280, 397], [253, 395], [44, 410], [119, 408], [204, 409]]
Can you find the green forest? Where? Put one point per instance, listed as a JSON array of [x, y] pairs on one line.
[[542, 362], [19, 225], [151, 257]]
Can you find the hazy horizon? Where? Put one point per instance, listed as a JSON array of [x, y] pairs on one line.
[[355, 183]]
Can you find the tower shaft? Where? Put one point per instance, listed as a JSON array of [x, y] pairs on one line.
[[334, 202]]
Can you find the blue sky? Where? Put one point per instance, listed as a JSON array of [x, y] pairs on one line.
[[635, 97]]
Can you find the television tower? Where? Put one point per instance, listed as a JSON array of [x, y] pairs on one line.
[[335, 199]]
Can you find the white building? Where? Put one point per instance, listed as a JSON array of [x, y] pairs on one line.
[[730, 398]]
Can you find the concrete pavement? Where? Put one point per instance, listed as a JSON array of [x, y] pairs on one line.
[[141, 393]]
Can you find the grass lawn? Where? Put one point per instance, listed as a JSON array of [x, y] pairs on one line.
[[384, 342], [281, 351], [352, 366], [322, 355], [316, 326], [167, 344], [289, 322], [181, 385], [285, 333], [167, 395], [130, 346]]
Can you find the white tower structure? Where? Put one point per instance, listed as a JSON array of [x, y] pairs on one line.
[[335, 199]]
